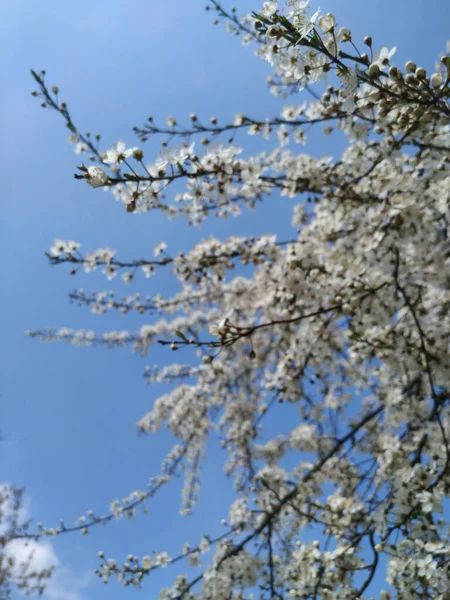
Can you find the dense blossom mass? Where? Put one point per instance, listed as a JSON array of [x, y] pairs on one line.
[[348, 321]]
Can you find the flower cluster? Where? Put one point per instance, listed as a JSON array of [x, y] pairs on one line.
[[338, 336]]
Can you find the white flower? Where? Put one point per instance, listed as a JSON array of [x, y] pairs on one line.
[[148, 270], [118, 153], [383, 57], [308, 25], [127, 277], [194, 559], [96, 176], [80, 147], [218, 327], [159, 248], [162, 559], [327, 22], [59, 247], [283, 135], [147, 563], [172, 156], [269, 8], [72, 247], [109, 271], [343, 34], [74, 138]]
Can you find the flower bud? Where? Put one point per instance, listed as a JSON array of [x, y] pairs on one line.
[[411, 79], [410, 66], [421, 73], [374, 70], [96, 176], [436, 80], [368, 41], [137, 154], [273, 32], [394, 73]]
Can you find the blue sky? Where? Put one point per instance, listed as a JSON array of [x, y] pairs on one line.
[[67, 414]]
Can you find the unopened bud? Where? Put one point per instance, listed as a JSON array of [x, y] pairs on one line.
[[410, 66], [374, 70], [411, 79], [368, 41], [445, 60], [394, 73], [55, 89], [138, 154], [436, 80], [273, 32]]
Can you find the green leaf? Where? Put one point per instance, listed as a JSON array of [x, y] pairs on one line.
[[181, 335]]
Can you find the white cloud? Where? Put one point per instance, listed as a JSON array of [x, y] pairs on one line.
[[64, 584], [44, 555]]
